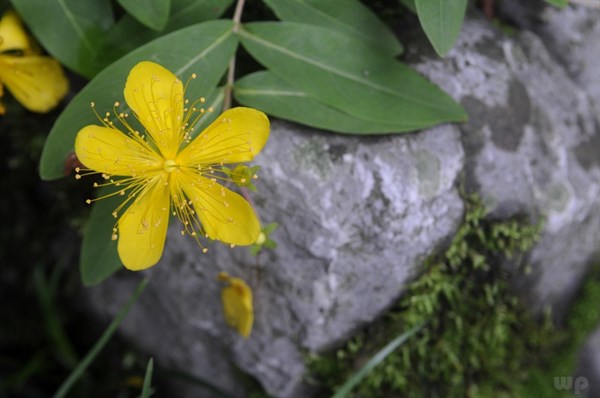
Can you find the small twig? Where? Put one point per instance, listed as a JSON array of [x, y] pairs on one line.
[[237, 17]]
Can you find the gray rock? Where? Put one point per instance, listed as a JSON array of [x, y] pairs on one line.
[[523, 147], [359, 215], [570, 34], [356, 216]]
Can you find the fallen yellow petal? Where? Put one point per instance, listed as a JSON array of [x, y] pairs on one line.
[[237, 304]]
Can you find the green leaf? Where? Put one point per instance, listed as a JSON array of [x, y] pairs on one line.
[[66, 386], [374, 361], [148, 379], [349, 17], [558, 3], [188, 12], [99, 258], [267, 92], [204, 48], [70, 30], [349, 75], [441, 20], [410, 4], [127, 33], [152, 13]]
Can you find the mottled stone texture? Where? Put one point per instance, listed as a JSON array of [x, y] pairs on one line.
[[359, 215]]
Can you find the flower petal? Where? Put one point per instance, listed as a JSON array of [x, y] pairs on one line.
[[12, 33], [236, 136], [225, 215], [36, 82], [156, 96], [143, 227], [109, 151], [237, 304]]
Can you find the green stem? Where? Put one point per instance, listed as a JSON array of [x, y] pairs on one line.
[[237, 17], [105, 338]]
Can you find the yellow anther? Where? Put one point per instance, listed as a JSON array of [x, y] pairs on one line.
[[114, 237], [88, 201], [117, 103]]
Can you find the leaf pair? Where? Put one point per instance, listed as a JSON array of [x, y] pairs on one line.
[[331, 65]]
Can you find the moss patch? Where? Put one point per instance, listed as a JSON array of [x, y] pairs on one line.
[[479, 340]]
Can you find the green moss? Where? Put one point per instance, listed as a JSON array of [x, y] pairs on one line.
[[479, 340]]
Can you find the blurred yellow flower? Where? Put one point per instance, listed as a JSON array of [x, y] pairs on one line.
[[163, 171], [237, 304], [36, 81]]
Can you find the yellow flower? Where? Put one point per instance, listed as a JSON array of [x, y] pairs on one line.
[[237, 304], [36, 81], [162, 172]]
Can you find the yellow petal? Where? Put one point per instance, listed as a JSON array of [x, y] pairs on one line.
[[109, 151], [237, 304], [143, 227], [12, 33], [236, 136], [156, 97], [225, 215], [36, 82]]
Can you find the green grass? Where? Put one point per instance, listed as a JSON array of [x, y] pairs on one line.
[[479, 340]]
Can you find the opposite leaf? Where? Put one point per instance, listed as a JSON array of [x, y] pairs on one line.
[[441, 20], [350, 17], [205, 49], [349, 75], [152, 13]]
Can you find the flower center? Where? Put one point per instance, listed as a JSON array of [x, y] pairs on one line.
[[169, 165]]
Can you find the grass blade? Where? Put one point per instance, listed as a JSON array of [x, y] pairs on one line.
[[373, 362], [105, 338], [148, 379]]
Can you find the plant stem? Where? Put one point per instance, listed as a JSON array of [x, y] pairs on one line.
[[237, 17]]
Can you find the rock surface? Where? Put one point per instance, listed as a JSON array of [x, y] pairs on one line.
[[358, 215]]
